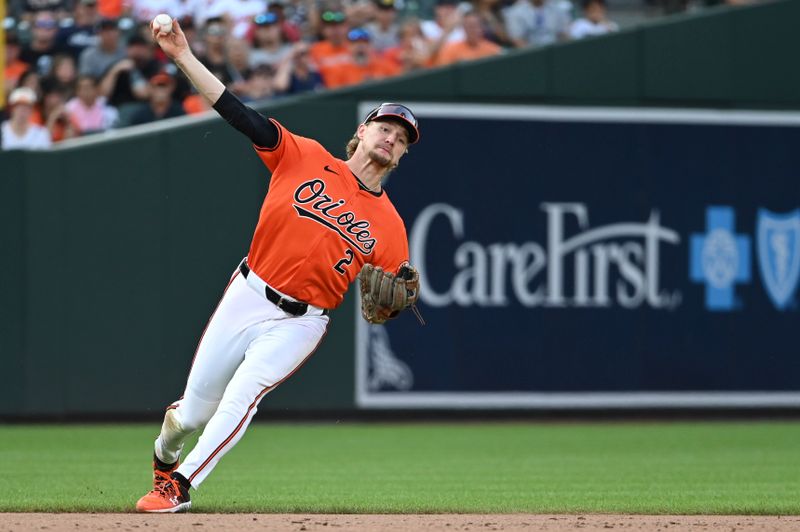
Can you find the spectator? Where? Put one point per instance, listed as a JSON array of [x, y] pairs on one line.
[[63, 75], [19, 132], [241, 14], [359, 12], [446, 24], [238, 54], [88, 111], [96, 60], [259, 84], [160, 104], [42, 47], [414, 50], [192, 37], [14, 66], [54, 115], [537, 22], [494, 27], [594, 22], [126, 81], [297, 73], [366, 64], [332, 53], [299, 14], [269, 47], [32, 80], [216, 56], [384, 29], [82, 33], [289, 28], [474, 45]]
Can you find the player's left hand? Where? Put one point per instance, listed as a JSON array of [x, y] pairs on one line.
[[384, 294]]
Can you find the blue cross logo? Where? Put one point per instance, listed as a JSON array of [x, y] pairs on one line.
[[720, 258]]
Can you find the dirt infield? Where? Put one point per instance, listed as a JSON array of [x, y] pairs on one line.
[[393, 523]]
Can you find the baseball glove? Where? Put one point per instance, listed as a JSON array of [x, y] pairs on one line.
[[384, 295]]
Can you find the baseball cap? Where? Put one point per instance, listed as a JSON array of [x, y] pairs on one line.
[[137, 39], [108, 23], [161, 79], [24, 95], [385, 4], [398, 112], [358, 34]]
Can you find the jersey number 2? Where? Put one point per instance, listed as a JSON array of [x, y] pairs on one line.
[[346, 261]]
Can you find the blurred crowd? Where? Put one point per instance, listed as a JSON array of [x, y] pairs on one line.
[[78, 67]]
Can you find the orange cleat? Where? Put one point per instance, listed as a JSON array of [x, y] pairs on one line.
[[167, 496], [161, 473]]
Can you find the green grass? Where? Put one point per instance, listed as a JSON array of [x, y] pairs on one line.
[[658, 468]]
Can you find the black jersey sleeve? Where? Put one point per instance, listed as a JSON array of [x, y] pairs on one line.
[[261, 131]]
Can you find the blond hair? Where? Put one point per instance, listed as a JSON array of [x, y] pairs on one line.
[[352, 145]]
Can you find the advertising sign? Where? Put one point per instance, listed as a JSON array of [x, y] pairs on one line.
[[594, 258]]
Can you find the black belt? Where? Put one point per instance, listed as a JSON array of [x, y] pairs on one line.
[[295, 308]]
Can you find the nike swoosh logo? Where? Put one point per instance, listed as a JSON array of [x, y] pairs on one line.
[[328, 169]]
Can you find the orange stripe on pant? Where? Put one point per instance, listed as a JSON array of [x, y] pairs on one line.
[[243, 422]]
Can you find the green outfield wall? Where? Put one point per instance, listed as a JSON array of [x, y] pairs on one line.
[[115, 250]]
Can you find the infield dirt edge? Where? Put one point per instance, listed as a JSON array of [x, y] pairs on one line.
[[390, 522]]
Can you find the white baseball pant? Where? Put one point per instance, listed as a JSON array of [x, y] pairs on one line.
[[248, 348]]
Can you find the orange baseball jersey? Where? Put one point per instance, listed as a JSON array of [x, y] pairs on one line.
[[318, 226], [329, 59], [463, 51], [352, 73]]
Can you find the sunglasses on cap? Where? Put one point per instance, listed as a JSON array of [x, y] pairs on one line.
[[395, 110], [333, 16], [265, 19], [358, 35], [46, 24], [215, 30]]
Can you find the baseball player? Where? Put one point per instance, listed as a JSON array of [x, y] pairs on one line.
[[323, 223]]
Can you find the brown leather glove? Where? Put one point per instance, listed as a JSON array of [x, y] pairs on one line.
[[384, 295]]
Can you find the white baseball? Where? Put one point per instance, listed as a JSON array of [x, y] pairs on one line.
[[163, 23]]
